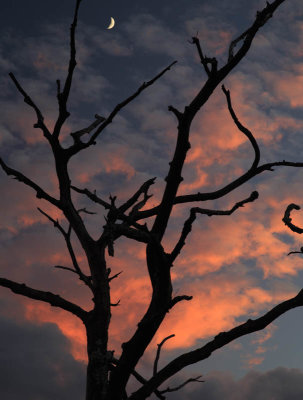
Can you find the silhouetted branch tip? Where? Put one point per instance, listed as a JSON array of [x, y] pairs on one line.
[[243, 129], [177, 299], [114, 276], [287, 219], [197, 379], [155, 369]]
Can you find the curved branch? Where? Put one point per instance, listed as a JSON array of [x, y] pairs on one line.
[[48, 297], [287, 220], [219, 341], [242, 128]]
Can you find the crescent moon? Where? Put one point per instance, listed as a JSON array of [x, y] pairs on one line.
[[112, 23]]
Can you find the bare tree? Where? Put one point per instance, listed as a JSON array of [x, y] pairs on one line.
[[108, 376]]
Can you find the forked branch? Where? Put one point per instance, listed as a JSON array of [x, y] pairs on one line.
[[63, 96], [205, 60], [142, 190], [77, 135], [219, 341]]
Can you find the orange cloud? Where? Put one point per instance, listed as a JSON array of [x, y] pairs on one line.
[[69, 325]]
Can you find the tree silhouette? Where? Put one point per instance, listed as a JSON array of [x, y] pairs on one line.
[[108, 376]]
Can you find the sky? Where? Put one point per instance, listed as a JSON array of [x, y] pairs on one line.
[[235, 267]]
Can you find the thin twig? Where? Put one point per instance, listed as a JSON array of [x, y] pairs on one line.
[[155, 369], [168, 390], [67, 238], [126, 101], [114, 276], [76, 147]]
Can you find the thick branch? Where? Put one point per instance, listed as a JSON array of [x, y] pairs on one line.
[[243, 129], [41, 194], [188, 198], [48, 297], [287, 220], [196, 210], [219, 341]]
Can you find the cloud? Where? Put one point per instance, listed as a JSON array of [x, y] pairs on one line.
[[36, 360], [279, 384], [224, 256], [147, 32]]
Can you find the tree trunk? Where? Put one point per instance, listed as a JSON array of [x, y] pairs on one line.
[[97, 368]]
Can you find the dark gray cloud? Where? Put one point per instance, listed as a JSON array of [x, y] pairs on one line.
[[36, 363], [277, 384]]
